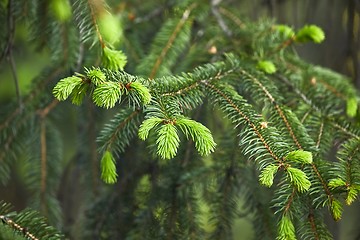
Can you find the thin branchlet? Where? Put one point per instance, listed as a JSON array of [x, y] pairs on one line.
[[18, 227]]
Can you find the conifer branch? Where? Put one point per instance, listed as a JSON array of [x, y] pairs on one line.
[[277, 107], [328, 87], [246, 118], [308, 102], [240, 24], [171, 40], [108, 144], [17, 227], [218, 75]]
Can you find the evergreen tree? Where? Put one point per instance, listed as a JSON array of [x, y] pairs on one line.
[[191, 115]]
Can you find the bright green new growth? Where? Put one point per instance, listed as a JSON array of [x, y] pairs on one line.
[[266, 66], [286, 229], [65, 87], [336, 209], [200, 134], [110, 27], [107, 95], [267, 175], [351, 107], [147, 125], [168, 141], [300, 156], [61, 9], [310, 33], [285, 30], [96, 76], [299, 179], [142, 91], [108, 168], [337, 182], [78, 94], [113, 59], [352, 194]]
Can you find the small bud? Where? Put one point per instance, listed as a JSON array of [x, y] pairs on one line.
[[310, 33], [108, 168], [96, 76], [300, 156], [313, 81], [264, 125], [266, 66], [351, 107], [285, 31], [212, 50], [143, 91], [113, 59], [131, 16], [65, 87]]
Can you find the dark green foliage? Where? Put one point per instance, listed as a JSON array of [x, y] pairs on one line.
[[26, 224], [197, 118]]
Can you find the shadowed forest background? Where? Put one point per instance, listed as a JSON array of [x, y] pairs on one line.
[[340, 20]]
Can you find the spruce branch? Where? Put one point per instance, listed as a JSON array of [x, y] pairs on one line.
[[251, 124], [17, 227], [277, 107], [344, 129], [116, 135], [201, 135], [27, 224]]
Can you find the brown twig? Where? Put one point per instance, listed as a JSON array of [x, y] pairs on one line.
[[43, 154], [93, 16], [17, 227]]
